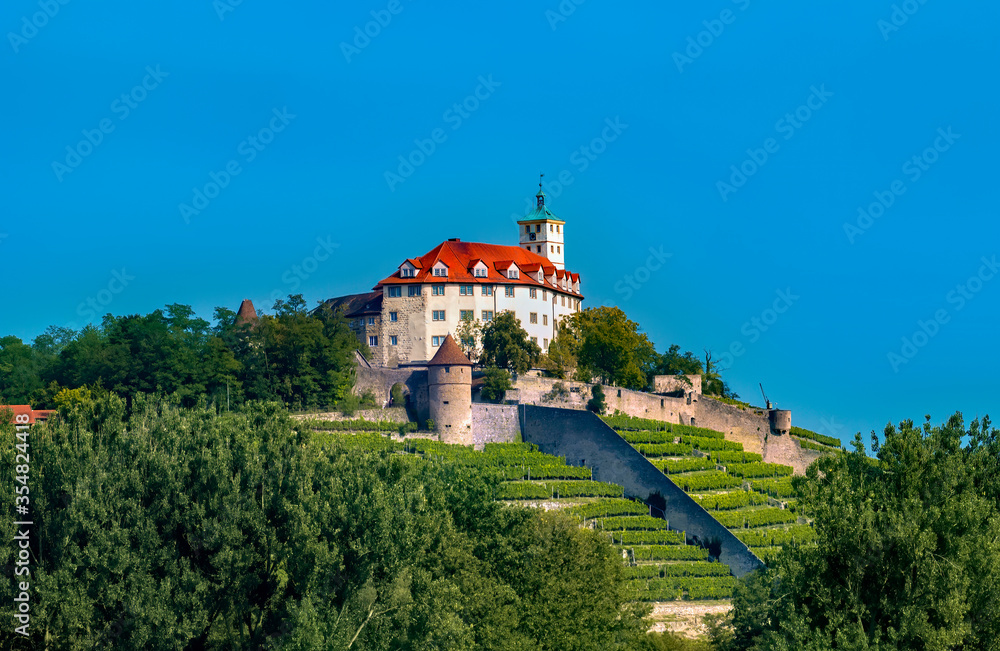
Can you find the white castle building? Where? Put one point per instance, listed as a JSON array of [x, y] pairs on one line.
[[407, 316]]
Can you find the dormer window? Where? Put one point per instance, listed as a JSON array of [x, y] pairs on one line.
[[406, 272], [440, 270], [512, 273]]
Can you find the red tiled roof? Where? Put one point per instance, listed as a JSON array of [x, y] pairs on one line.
[[449, 354], [462, 256], [26, 410]]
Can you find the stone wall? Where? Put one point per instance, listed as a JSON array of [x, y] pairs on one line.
[[394, 414], [670, 383], [584, 440], [747, 426], [380, 380], [495, 424]]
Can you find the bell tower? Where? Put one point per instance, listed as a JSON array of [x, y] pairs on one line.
[[542, 233]]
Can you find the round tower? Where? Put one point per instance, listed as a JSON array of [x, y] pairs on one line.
[[449, 392], [781, 421]]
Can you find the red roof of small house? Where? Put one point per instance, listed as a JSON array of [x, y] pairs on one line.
[[26, 410], [449, 354], [246, 313], [461, 257]]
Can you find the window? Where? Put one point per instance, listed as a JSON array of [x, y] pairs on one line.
[[481, 273], [373, 341], [447, 369], [407, 272], [564, 301], [550, 228], [545, 344], [466, 290], [371, 320], [413, 290], [393, 340], [437, 315], [545, 295], [394, 316], [551, 248], [557, 228], [545, 319], [441, 270], [533, 317], [508, 291], [466, 314], [558, 248], [487, 315], [436, 341], [528, 248], [532, 293], [487, 290], [527, 228], [437, 290], [395, 292], [538, 249], [534, 340]]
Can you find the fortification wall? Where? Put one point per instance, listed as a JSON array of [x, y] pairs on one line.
[[670, 383], [495, 424], [533, 390], [393, 414], [585, 440], [380, 380]]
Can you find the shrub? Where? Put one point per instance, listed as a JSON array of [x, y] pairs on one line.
[[496, 382], [430, 424], [596, 404], [558, 392], [396, 394]]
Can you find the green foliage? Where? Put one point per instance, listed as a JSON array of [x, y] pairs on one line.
[[506, 344], [673, 466], [782, 487], [355, 425], [429, 425], [469, 335], [396, 395], [809, 445], [605, 507], [596, 403], [304, 361], [164, 528], [711, 444], [759, 469], [730, 501], [755, 517], [673, 362], [705, 482], [633, 522], [624, 422], [558, 392], [670, 553], [515, 490], [796, 534], [496, 383], [813, 436], [661, 537], [907, 553], [697, 568], [648, 437], [688, 588], [736, 457], [663, 449], [608, 345]]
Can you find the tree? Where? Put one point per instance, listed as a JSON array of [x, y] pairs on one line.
[[470, 332], [712, 383], [673, 362], [560, 359], [907, 556], [506, 344], [496, 382], [596, 403], [611, 347]]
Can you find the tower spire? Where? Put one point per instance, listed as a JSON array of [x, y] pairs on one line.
[[540, 197]]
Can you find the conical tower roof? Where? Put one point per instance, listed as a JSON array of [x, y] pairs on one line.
[[246, 313], [449, 354]]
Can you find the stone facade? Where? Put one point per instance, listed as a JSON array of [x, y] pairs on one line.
[[495, 424], [673, 383]]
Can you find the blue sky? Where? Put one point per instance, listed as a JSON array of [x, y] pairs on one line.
[[808, 191]]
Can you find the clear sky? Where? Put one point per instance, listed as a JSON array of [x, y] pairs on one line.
[[818, 180]]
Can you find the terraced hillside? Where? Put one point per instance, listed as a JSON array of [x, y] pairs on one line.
[[662, 565], [753, 499]]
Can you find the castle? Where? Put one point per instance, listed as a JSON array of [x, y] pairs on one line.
[[408, 315]]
